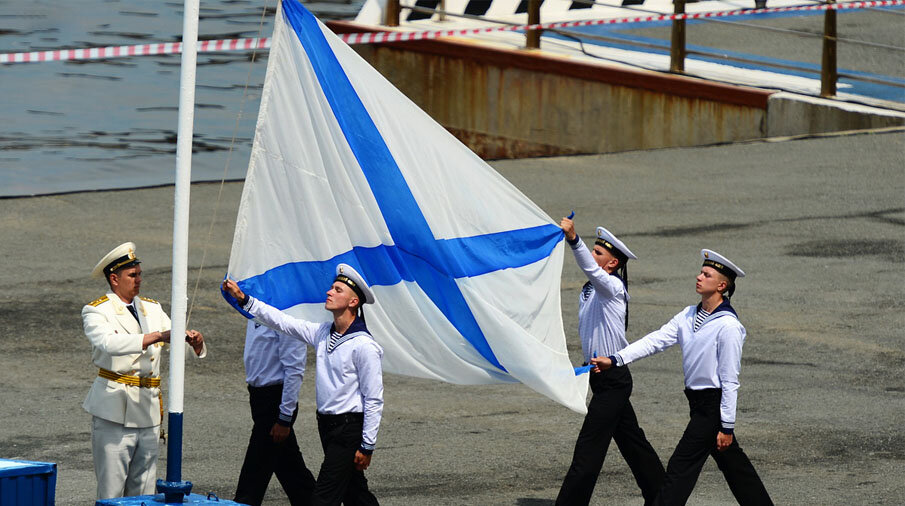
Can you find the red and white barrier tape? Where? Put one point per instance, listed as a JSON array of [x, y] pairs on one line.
[[97, 53], [380, 37]]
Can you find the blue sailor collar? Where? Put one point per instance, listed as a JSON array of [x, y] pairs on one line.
[[357, 328], [724, 309]]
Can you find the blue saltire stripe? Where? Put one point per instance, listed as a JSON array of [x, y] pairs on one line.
[[417, 256], [387, 265]]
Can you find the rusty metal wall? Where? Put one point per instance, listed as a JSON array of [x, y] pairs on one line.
[[511, 111]]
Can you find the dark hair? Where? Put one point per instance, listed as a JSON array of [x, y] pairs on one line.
[[622, 274], [730, 289]]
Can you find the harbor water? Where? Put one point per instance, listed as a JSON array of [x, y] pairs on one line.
[[105, 124]]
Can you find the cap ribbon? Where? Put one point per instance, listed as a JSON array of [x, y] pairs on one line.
[[346, 280], [726, 271], [612, 249], [119, 263]]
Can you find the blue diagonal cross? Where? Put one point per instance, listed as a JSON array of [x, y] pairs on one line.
[[434, 264]]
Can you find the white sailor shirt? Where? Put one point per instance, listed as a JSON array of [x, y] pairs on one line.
[[271, 358], [601, 308], [711, 356], [349, 375]]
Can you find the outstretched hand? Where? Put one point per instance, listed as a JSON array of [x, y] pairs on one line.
[[231, 287], [568, 228], [195, 340], [601, 364]]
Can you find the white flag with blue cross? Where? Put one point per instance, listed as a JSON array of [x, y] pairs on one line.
[[346, 169]]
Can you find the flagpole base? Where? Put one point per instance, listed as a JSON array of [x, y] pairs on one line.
[[174, 491]]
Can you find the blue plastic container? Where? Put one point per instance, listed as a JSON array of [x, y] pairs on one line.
[[24, 483], [157, 500]]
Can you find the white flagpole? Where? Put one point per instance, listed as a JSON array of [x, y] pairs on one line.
[[173, 487]]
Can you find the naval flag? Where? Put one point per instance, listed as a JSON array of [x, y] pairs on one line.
[[346, 169]]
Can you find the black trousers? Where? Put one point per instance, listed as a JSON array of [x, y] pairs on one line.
[[610, 416], [338, 481], [699, 441], [263, 457]]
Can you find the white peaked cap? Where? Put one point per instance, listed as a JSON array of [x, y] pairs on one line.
[[605, 235], [720, 263], [357, 281], [122, 255]]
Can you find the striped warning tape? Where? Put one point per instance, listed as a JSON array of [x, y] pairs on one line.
[[96, 53]]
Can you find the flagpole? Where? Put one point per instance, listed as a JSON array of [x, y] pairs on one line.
[[174, 488]]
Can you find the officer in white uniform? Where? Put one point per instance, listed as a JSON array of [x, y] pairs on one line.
[[126, 333], [274, 368], [349, 383], [602, 321], [711, 338]]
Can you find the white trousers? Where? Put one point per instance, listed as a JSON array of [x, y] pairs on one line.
[[125, 459]]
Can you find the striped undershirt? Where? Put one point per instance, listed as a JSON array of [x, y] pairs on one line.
[[334, 337], [699, 318]]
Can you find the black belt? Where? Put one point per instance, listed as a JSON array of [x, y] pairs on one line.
[[703, 394], [339, 419], [275, 386]]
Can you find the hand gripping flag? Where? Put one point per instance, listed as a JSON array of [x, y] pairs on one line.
[[344, 168]]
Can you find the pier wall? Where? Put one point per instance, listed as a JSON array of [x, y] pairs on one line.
[[506, 103]]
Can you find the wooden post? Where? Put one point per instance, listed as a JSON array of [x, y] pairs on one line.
[[532, 37], [828, 71], [442, 16], [677, 43], [392, 13]]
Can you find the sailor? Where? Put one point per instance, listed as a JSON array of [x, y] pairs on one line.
[[349, 386], [602, 321], [274, 368], [127, 333], [711, 337]]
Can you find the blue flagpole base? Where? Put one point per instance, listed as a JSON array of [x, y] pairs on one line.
[[174, 491], [159, 499]]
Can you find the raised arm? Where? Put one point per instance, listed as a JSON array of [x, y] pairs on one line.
[[273, 317], [605, 284]]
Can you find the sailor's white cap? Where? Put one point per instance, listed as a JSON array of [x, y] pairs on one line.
[[119, 257], [610, 242], [346, 274], [721, 264]]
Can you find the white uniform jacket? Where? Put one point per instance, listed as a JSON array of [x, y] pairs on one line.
[[349, 376], [601, 308], [116, 339], [711, 357]]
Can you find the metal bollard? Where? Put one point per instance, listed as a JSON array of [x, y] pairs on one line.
[[392, 13], [532, 37], [828, 72], [677, 41]]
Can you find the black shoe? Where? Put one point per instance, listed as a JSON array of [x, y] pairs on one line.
[[760, 4], [632, 2]]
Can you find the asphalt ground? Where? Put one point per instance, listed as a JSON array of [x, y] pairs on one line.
[[817, 224]]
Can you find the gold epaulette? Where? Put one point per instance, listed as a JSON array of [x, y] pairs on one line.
[[98, 301], [149, 300]]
